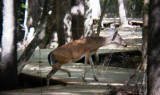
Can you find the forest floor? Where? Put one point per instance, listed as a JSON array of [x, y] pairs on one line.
[[109, 77]]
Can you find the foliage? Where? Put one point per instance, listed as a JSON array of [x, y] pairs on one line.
[[146, 9], [23, 6], [134, 7], [20, 11], [111, 8]]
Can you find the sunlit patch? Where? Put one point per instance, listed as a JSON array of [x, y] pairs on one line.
[[79, 9]]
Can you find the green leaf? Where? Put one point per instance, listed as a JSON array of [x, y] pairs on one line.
[[23, 6]]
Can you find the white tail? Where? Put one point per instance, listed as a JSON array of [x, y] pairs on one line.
[[77, 49]]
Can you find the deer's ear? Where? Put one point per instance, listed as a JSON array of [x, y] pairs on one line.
[[115, 34]]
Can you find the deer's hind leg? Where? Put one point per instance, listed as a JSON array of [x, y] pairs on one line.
[[55, 68], [65, 70]]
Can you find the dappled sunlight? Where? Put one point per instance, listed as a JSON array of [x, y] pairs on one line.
[[132, 37], [113, 84], [75, 69], [106, 75], [78, 90], [31, 68], [67, 25], [62, 93], [78, 9], [77, 22]]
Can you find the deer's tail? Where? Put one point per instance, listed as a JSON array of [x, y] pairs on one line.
[[52, 61]]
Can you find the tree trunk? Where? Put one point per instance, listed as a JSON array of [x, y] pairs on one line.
[[33, 15], [8, 66], [96, 9], [0, 21], [144, 44], [101, 17], [77, 11], [33, 44], [145, 34], [51, 26], [153, 66], [63, 20], [25, 25], [122, 14], [40, 33], [88, 24]]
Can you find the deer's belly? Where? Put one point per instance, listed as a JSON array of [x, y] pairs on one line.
[[78, 58]]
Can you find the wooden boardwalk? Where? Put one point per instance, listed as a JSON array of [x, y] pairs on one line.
[[38, 66], [74, 85]]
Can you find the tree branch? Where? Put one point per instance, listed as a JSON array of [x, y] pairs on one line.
[[40, 34]]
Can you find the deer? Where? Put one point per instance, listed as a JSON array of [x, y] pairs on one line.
[[77, 49]]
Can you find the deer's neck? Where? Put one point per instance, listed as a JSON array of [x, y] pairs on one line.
[[107, 40], [99, 41]]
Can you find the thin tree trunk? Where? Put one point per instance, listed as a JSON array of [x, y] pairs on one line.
[[0, 22], [59, 21], [122, 14], [88, 23], [145, 34], [77, 11], [62, 14], [8, 66], [51, 26], [101, 17], [33, 14], [145, 41], [33, 44], [25, 25], [96, 9]]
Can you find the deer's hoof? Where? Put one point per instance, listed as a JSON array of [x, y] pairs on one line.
[[83, 79], [47, 82], [96, 79], [69, 74]]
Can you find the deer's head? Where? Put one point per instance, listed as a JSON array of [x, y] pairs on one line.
[[118, 39]]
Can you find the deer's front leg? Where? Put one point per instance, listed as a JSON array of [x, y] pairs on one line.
[[96, 58], [92, 64], [85, 68]]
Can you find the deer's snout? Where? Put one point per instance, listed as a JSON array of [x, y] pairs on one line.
[[125, 45]]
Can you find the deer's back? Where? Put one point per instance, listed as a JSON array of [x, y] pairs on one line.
[[76, 49]]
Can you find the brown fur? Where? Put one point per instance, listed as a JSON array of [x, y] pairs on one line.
[[76, 49]]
